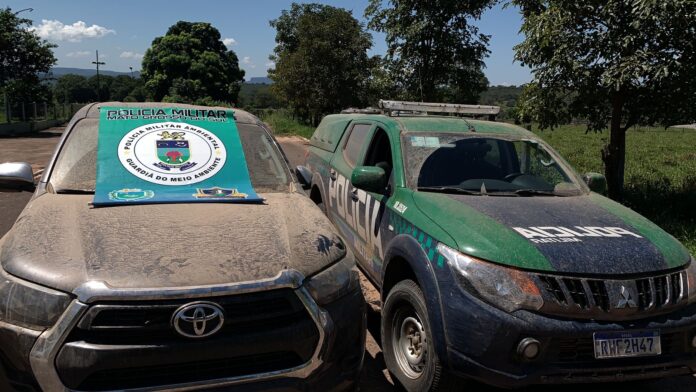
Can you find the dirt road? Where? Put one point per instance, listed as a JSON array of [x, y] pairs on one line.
[[37, 150]]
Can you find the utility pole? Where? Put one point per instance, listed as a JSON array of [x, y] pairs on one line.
[[98, 63]]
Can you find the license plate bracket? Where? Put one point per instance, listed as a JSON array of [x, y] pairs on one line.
[[627, 344]]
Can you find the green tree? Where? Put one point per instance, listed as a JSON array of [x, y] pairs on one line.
[[103, 84], [23, 57], [122, 86], [191, 64], [435, 53], [74, 88], [321, 62], [615, 63]]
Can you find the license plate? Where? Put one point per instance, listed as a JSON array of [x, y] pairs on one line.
[[627, 344]]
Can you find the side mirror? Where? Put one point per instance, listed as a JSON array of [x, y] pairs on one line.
[[304, 176], [369, 178], [597, 182], [16, 176]]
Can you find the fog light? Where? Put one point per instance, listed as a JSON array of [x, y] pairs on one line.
[[529, 348]]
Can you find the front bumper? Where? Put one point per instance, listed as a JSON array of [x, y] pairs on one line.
[[68, 357], [482, 344]]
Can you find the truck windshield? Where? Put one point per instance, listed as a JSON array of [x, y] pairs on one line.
[[75, 168], [455, 163]]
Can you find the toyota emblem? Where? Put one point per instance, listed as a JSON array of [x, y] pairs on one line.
[[198, 319]]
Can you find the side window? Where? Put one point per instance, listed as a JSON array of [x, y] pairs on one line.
[[355, 141], [379, 153]]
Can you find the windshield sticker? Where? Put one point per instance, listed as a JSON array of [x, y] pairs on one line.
[[432, 142], [417, 141], [169, 155], [425, 141]]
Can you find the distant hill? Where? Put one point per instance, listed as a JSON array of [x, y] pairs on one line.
[[87, 72], [260, 80], [505, 96]]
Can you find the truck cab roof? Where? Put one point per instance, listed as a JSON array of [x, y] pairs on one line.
[[330, 130]]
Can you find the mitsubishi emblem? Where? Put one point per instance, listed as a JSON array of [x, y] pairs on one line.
[[626, 300]]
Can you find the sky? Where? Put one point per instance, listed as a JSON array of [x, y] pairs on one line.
[[123, 30]]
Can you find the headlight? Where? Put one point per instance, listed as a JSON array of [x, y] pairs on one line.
[[506, 288], [691, 278], [29, 305], [336, 281]]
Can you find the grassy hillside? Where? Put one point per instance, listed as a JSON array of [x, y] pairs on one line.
[[660, 172]]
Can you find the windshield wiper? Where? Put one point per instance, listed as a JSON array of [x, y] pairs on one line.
[[75, 191], [448, 189], [534, 192]]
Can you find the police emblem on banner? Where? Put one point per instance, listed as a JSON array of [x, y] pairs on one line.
[[219, 193], [172, 153], [131, 195]]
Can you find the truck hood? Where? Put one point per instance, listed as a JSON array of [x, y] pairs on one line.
[[61, 242], [589, 234]]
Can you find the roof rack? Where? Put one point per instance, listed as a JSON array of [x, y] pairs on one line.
[[409, 108], [369, 110]]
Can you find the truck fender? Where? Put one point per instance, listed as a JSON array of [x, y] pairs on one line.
[[405, 247], [319, 183]]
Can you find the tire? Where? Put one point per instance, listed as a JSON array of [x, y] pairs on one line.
[[406, 342]]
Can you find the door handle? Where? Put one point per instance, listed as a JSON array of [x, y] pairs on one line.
[[354, 194], [332, 175]]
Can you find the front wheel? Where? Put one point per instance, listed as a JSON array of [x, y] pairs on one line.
[[407, 344]]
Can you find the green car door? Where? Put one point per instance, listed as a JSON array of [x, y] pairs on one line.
[[341, 206]]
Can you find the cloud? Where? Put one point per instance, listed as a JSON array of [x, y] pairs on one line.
[[55, 30], [247, 60], [229, 42], [270, 64], [79, 53], [131, 55]]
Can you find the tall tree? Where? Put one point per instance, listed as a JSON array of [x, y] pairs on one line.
[[74, 88], [321, 62], [435, 52], [615, 63], [191, 64], [23, 55], [122, 86]]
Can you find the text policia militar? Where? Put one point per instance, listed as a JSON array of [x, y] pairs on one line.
[[161, 114]]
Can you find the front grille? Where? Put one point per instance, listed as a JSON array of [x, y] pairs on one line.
[[262, 332], [187, 372], [599, 297], [20, 381]]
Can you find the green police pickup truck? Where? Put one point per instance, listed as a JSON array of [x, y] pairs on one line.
[[495, 260]]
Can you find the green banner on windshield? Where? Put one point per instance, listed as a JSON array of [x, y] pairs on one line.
[[169, 155]]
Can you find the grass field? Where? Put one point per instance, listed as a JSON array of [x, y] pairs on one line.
[[660, 172], [660, 168], [283, 124]]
